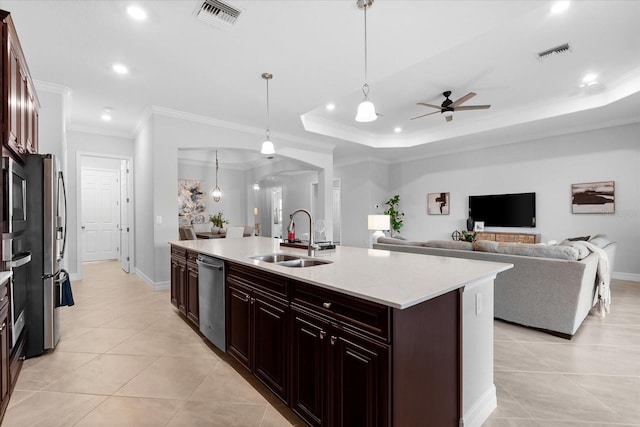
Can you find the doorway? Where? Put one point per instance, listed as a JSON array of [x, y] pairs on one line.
[[104, 210]]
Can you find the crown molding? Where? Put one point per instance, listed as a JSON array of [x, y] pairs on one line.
[[51, 87]]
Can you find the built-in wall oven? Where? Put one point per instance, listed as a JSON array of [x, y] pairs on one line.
[[15, 255]]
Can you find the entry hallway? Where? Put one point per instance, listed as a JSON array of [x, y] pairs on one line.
[[126, 358]]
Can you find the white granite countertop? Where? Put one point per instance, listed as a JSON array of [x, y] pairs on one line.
[[395, 279], [5, 275]]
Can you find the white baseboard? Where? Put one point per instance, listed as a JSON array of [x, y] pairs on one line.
[[156, 286], [626, 276], [481, 410]]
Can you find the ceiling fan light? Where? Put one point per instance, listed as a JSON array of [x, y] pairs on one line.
[[267, 147], [448, 113], [366, 112]]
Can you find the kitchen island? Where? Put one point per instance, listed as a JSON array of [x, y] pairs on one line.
[[371, 338]]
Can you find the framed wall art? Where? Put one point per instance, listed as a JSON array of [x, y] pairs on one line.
[[593, 198], [191, 208], [438, 203]]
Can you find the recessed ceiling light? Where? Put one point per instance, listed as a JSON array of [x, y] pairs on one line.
[[106, 115], [560, 7], [120, 69], [331, 107], [589, 78], [137, 13], [397, 129]]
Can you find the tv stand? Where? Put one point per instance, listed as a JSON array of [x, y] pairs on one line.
[[509, 237]]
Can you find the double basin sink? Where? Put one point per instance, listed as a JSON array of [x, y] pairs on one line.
[[291, 260]]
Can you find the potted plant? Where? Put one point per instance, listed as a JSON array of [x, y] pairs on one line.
[[394, 213], [218, 222]]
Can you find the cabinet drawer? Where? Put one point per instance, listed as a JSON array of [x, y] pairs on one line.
[[192, 258], [270, 283], [368, 317], [178, 252], [486, 236]]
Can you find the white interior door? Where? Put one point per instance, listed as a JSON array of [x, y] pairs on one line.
[[100, 214], [125, 203]]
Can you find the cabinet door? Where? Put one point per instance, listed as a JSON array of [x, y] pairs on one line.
[[360, 389], [193, 311], [175, 282], [239, 322], [182, 287], [309, 376], [270, 343], [15, 89], [4, 354]]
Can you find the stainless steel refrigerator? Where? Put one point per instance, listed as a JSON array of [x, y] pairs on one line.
[[46, 238]]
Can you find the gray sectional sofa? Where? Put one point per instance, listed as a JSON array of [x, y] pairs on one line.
[[551, 288]]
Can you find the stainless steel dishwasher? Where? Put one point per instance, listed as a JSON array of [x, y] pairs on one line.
[[211, 290]]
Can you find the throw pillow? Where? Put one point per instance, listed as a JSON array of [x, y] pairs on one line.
[[394, 241], [578, 239], [582, 249], [600, 240]]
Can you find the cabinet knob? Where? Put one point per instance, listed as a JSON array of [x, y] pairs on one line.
[[253, 300], [245, 298], [2, 327], [333, 339], [322, 334], [326, 305]]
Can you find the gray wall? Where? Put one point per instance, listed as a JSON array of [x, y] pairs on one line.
[[143, 202], [547, 167], [231, 182], [363, 186]]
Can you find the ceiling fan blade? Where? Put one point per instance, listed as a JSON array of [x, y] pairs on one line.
[[439, 107], [449, 118], [472, 107], [424, 115], [463, 99]]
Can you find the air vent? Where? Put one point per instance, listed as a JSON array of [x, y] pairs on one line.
[[563, 48], [219, 14]]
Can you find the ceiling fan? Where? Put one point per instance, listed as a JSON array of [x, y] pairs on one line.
[[449, 106]]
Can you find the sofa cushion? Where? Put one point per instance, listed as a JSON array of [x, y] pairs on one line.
[[583, 250], [526, 249], [393, 241], [600, 240], [449, 244]]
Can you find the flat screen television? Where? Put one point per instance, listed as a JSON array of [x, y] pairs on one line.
[[504, 210]]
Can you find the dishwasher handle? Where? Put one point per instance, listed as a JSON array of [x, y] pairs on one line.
[[201, 263]]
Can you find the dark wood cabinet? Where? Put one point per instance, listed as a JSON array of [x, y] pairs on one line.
[[258, 329], [5, 349], [184, 283], [339, 377], [309, 366], [360, 381], [192, 301], [338, 360], [20, 105]]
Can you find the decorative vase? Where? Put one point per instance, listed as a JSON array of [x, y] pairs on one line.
[[469, 223], [215, 230]]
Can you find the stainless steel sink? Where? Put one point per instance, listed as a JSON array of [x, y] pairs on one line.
[[290, 260], [275, 258], [304, 262]]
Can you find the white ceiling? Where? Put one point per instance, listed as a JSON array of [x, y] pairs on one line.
[[315, 50]]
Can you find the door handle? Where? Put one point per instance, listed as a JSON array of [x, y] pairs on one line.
[[83, 227]]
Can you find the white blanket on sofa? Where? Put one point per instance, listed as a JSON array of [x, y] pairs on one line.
[[603, 293]]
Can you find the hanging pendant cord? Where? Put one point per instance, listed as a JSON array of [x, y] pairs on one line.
[[216, 168], [365, 44], [268, 116]]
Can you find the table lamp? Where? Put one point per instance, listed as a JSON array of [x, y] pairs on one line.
[[378, 223]]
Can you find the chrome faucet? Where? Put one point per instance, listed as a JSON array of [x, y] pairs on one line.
[[311, 247]]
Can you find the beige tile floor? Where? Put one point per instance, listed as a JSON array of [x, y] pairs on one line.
[[126, 358]]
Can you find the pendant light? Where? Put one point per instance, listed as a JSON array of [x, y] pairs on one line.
[[366, 109], [267, 145], [216, 193]]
